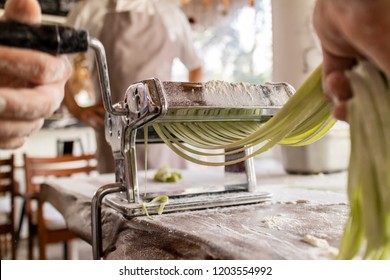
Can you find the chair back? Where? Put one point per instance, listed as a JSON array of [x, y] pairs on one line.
[[7, 181], [8, 187], [38, 168]]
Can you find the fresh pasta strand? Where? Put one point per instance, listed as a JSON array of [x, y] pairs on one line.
[[304, 119]]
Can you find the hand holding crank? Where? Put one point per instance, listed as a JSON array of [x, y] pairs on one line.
[[31, 82]]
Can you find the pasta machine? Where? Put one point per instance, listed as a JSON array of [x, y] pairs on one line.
[[154, 101]]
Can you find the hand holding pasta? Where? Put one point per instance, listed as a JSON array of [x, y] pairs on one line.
[[31, 82], [350, 30]]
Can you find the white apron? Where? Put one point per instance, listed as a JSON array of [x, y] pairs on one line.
[[137, 47], [141, 39]]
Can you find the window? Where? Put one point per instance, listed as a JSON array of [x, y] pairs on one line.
[[235, 46]]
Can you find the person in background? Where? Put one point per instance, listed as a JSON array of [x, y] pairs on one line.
[[349, 30], [141, 39], [31, 82]]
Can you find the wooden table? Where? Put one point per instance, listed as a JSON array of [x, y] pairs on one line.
[[304, 220]]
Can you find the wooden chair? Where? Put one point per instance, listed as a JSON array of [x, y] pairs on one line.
[[8, 189], [37, 169], [66, 146]]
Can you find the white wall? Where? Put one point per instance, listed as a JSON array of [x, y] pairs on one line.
[[44, 142], [296, 51]]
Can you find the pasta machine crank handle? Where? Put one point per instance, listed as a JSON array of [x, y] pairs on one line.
[[53, 39], [59, 39]]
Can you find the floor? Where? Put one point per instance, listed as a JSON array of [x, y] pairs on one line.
[[77, 250]]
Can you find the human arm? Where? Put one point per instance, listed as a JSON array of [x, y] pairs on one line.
[[350, 30], [187, 52], [80, 80], [92, 116], [195, 75], [31, 82]]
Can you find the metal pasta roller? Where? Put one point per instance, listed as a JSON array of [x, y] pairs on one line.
[[154, 101]]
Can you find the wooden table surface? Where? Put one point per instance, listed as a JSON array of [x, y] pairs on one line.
[[303, 220]]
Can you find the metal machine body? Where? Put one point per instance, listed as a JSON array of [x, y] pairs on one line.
[[152, 101]]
